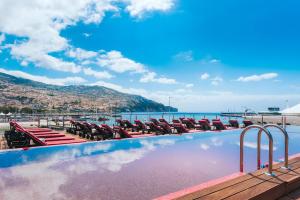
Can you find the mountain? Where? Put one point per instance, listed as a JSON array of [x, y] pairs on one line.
[[27, 95]]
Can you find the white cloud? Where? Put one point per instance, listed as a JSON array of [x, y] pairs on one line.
[[97, 74], [152, 77], [189, 85], [204, 76], [257, 77], [40, 22], [204, 146], [214, 61], [115, 61], [120, 88], [38, 26], [138, 8], [44, 79], [253, 145], [87, 35], [216, 81], [185, 56], [81, 54]]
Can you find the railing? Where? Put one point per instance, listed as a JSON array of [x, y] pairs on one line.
[[270, 167], [270, 138], [286, 144]]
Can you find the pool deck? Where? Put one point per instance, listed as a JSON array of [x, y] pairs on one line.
[[257, 185]]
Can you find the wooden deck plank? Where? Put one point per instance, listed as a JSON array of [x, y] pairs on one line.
[[228, 185], [272, 188], [250, 181]]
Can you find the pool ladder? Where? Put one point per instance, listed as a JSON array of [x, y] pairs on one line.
[[264, 129]]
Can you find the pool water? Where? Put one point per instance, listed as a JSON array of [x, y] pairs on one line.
[[130, 169]]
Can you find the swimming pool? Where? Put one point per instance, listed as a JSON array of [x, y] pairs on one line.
[[130, 169]]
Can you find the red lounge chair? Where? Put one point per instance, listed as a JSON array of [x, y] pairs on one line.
[[128, 125], [247, 123], [206, 120], [124, 134], [88, 130], [82, 129], [181, 129], [102, 133], [120, 123], [234, 123], [205, 125], [79, 128], [31, 129], [154, 128], [44, 139], [219, 125], [192, 120], [176, 121], [190, 125], [108, 129], [162, 120], [181, 119], [166, 128], [140, 126], [153, 120]]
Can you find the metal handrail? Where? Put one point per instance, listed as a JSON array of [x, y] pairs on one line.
[[286, 144], [270, 167]]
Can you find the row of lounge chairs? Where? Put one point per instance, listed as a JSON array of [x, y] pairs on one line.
[[126, 129], [181, 125], [18, 136], [102, 132]]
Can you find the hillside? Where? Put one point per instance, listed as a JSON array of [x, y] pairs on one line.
[[25, 95]]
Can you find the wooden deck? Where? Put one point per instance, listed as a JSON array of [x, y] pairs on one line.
[[256, 185]]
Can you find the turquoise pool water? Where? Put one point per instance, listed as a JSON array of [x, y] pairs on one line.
[[130, 169]]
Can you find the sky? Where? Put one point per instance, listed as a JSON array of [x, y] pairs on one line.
[[206, 55]]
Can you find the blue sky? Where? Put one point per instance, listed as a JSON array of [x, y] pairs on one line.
[[208, 55]]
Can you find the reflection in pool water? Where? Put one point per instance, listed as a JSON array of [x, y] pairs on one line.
[[129, 169]]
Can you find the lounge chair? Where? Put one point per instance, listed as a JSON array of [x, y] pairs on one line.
[[180, 128], [45, 138], [140, 126], [190, 125], [176, 121], [234, 123], [129, 125], [120, 123], [82, 129], [219, 125], [162, 120], [124, 134], [153, 120], [154, 128], [192, 120], [89, 130], [208, 121], [166, 128], [204, 125], [181, 119], [108, 129], [102, 133], [247, 123]]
